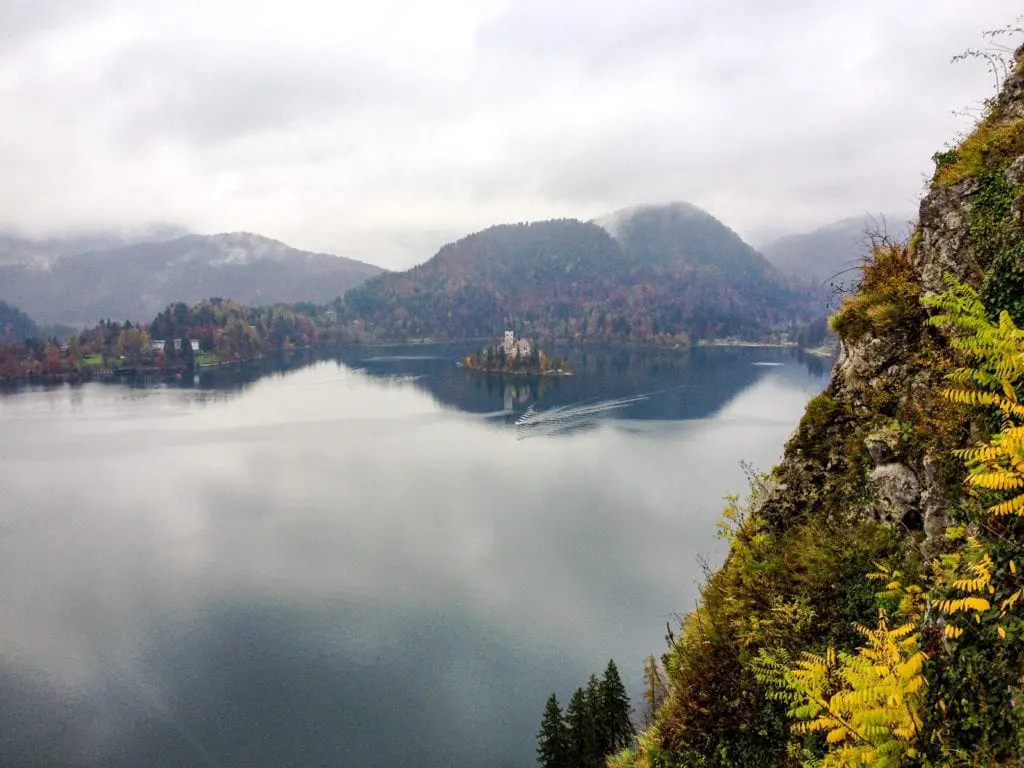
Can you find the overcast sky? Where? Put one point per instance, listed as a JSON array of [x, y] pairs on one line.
[[382, 129]]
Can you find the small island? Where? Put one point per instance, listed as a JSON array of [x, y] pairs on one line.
[[516, 357]]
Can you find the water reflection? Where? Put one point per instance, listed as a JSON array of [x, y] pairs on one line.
[[356, 562], [654, 384]]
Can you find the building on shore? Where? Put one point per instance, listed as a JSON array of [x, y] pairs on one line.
[[158, 345]]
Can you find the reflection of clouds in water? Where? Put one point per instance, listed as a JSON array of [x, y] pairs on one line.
[[377, 531], [781, 393]]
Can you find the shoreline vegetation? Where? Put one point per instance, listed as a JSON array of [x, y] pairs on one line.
[[214, 332], [507, 371], [95, 368], [85, 371], [180, 339]]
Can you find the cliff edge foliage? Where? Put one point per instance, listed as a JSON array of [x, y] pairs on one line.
[[869, 612]]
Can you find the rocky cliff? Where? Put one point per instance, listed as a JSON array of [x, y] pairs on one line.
[[872, 482]]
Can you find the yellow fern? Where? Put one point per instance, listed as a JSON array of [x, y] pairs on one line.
[[868, 704], [995, 353]]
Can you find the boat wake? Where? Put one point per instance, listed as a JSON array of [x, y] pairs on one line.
[[568, 418], [398, 358], [389, 378]]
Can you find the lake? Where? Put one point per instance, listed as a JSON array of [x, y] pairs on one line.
[[379, 559]]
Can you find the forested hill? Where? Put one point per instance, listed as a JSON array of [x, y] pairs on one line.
[[870, 612], [680, 234], [15, 325], [671, 276]]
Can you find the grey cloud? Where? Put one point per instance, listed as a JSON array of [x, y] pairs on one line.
[[335, 126], [760, 115], [24, 19], [211, 96], [611, 34]]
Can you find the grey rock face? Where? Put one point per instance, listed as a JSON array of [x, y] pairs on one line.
[[1015, 172], [933, 506], [863, 359], [946, 236], [1011, 97], [883, 445], [896, 491]]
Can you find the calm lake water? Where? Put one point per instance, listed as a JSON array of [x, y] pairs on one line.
[[376, 560]]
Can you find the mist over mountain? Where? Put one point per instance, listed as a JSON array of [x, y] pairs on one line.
[[653, 274], [137, 281], [832, 253], [16, 248]]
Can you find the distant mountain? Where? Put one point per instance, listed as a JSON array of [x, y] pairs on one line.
[[831, 253], [680, 234], [137, 281], [668, 273], [17, 249], [15, 325]]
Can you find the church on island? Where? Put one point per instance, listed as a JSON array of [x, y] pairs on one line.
[[515, 348], [516, 356]]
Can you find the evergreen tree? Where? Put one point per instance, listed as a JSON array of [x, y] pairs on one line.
[[596, 724], [614, 728], [553, 739], [187, 356], [170, 353], [582, 741]]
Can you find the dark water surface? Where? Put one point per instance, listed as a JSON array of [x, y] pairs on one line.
[[378, 560]]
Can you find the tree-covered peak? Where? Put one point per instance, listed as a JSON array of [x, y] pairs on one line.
[[673, 274], [15, 325]]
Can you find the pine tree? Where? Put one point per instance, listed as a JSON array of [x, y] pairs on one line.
[[170, 353], [593, 697], [553, 739], [615, 729], [187, 356], [579, 719]]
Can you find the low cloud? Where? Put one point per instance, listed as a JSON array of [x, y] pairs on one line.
[[368, 130]]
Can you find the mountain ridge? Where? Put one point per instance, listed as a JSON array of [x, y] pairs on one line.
[[673, 272], [833, 251], [138, 280], [18, 248]]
